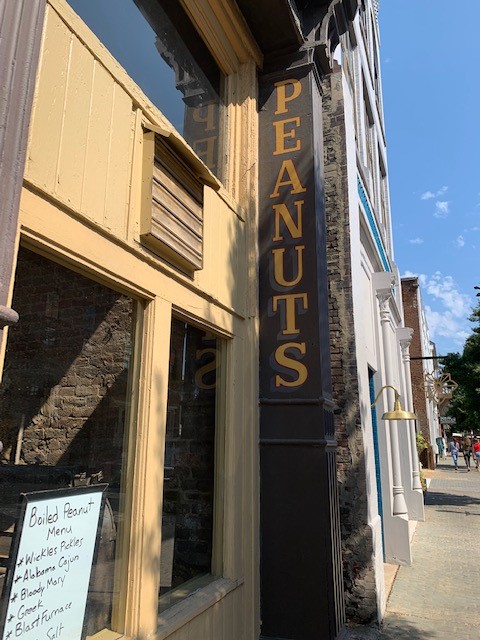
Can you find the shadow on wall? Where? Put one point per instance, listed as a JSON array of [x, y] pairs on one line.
[[64, 399], [66, 368]]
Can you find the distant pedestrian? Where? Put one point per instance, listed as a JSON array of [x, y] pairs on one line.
[[476, 452], [467, 452], [440, 445], [444, 452], [454, 449]]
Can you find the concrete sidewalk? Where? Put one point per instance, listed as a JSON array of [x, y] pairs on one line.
[[437, 598]]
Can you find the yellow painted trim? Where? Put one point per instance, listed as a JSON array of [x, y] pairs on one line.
[[44, 219], [148, 159], [122, 570], [182, 613], [225, 32], [201, 323], [144, 557], [105, 634], [179, 145], [224, 400]]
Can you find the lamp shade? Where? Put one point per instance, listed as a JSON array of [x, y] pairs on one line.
[[398, 412]]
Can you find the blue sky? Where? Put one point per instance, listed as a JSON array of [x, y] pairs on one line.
[[430, 61]]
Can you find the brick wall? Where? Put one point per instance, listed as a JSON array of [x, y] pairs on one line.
[[357, 543], [189, 454], [66, 367], [412, 319]]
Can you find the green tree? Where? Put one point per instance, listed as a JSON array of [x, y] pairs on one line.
[[465, 370]]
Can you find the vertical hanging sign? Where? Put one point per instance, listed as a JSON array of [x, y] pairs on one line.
[[297, 457], [290, 361], [46, 591]]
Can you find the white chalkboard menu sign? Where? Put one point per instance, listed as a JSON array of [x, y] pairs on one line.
[[52, 555]]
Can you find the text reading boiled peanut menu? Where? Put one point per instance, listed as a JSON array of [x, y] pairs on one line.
[[50, 579]]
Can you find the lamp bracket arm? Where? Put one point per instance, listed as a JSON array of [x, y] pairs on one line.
[[385, 386]]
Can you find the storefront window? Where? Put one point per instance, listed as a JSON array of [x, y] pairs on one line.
[[189, 480], [158, 46], [64, 423]]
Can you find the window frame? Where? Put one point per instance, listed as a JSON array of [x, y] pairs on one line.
[[121, 264], [221, 403], [131, 420]]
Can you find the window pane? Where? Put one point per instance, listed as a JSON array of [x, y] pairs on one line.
[[160, 49], [188, 498], [64, 404]]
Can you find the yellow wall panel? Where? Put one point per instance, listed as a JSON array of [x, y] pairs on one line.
[[224, 253], [119, 163], [81, 152], [48, 109], [98, 144], [219, 622], [81, 133], [72, 158]]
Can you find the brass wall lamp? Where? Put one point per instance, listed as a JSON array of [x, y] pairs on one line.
[[398, 412]]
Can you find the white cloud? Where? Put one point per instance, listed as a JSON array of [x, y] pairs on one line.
[[416, 241], [428, 195], [443, 324], [444, 289], [460, 242], [449, 318], [441, 209]]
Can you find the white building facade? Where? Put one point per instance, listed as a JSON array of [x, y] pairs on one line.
[[378, 462]]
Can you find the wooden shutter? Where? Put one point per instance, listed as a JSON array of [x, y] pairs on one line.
[[172, 218]]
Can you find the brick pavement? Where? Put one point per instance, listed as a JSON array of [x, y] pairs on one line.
[[437, 597]]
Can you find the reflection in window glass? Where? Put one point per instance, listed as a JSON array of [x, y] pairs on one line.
[[160, 49], [188, 499], [64, 404]]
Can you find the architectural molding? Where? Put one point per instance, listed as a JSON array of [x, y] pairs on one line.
[[225, 32], [383, 284], [405, 335]]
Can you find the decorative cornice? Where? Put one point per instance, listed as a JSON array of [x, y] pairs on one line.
[[383, 283], [324, 24], [384, 280], [384, 296], [405, 335]]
